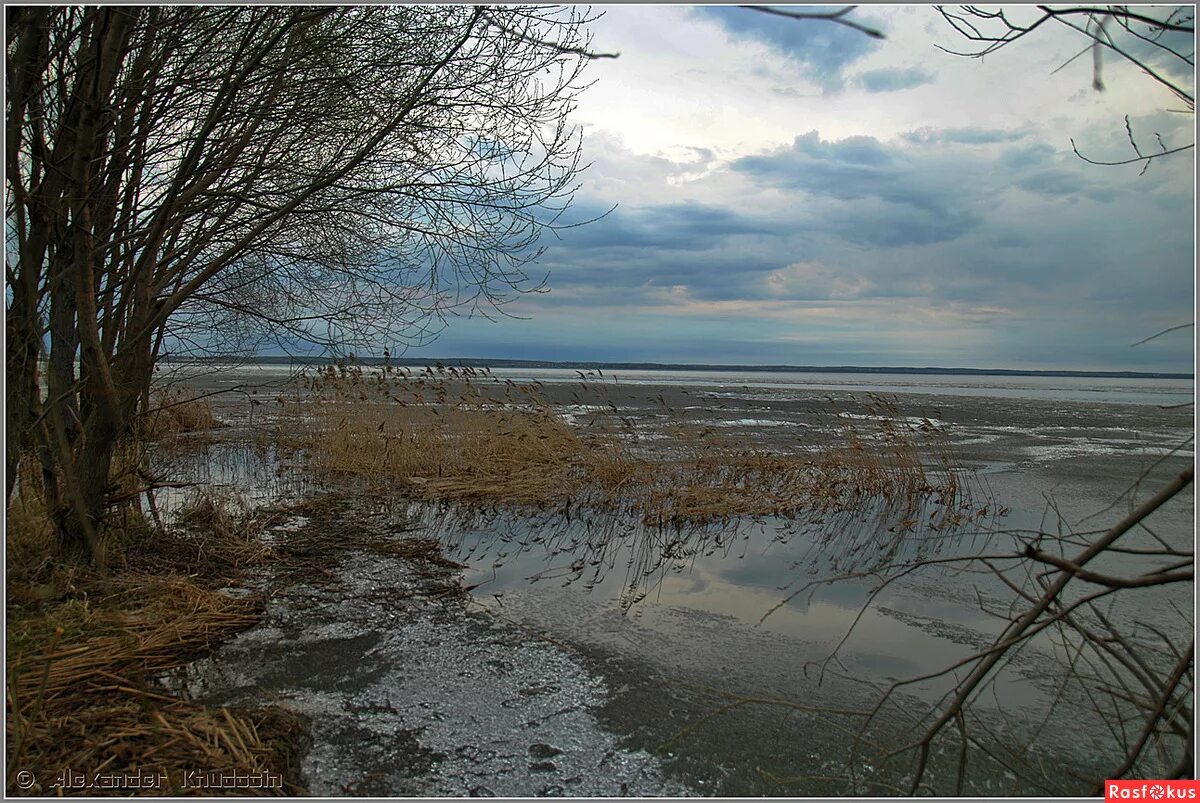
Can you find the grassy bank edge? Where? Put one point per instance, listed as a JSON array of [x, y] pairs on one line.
[[87, 711]]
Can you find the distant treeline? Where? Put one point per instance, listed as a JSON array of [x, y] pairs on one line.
[[458, 362]]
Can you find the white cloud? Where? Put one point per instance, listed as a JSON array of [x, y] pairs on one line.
[[684, 81], [947, 222]]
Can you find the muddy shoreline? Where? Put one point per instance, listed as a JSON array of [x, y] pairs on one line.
[[406, 688]]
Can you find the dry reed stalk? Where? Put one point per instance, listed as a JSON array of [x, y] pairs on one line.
[[173, 413], [447, 435], [78, 698]]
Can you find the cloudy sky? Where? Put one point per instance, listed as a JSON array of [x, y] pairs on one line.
[[797, 192]]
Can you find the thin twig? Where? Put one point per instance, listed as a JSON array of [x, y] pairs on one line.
[[838, 16]]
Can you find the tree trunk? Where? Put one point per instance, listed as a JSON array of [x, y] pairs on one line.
[[85, 463], [23, 405]]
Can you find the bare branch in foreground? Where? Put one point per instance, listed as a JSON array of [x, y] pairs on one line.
[[838, 16]]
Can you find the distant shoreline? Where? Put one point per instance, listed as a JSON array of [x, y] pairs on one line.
[[458, 362]]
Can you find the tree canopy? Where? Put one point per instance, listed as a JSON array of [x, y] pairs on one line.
[[193, 178]]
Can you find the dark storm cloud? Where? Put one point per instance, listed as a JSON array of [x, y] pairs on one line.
[[1165, 52], [851, 168], [919, 205], [688, 226], [823, 49], [1052, 182], [605, 267], [894, 80], [1025, 156], [897, 225], [1063, 182], [855, 167], [1010, 239]]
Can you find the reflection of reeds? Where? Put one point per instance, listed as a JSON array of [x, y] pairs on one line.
[[574, 483], [587, 548], [463, 435]]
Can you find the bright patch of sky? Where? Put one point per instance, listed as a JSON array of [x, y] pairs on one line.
[[797, 192]]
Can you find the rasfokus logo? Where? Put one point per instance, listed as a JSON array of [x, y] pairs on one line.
[[1151, 790]]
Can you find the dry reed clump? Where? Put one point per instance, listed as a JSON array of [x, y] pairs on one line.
[[174, 414], [218, 513], [29, 541], [440, 440], [35, 570], [82, 658], [81, 693], [215, 540], [462, 435], [218, 529]]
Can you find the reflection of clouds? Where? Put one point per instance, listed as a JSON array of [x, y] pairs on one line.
[[740, 567], [731, 588]]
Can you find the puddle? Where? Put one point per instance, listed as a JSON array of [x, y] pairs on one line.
[[254, 475]]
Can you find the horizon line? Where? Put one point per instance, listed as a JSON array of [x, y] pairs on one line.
[[512, 362]]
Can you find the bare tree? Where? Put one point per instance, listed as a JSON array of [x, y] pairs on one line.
[[1135, 675], [182, 178]]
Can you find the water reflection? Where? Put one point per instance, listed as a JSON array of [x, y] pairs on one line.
[[701, 594], [606, 551], [259, 474]]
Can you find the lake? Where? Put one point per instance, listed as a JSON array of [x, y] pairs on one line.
[[686, 625]]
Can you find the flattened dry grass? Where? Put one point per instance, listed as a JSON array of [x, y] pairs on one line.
[[140, 625], [84, 654], [448, 435]]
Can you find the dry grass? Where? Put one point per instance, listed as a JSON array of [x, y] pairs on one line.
[[84, 653], [173, 413], [140, 624], [448, 435], [215, 540], [29, 541]]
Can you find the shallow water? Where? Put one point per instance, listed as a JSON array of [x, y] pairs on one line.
[[671, 620], [1090, 390], [248, 474]]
